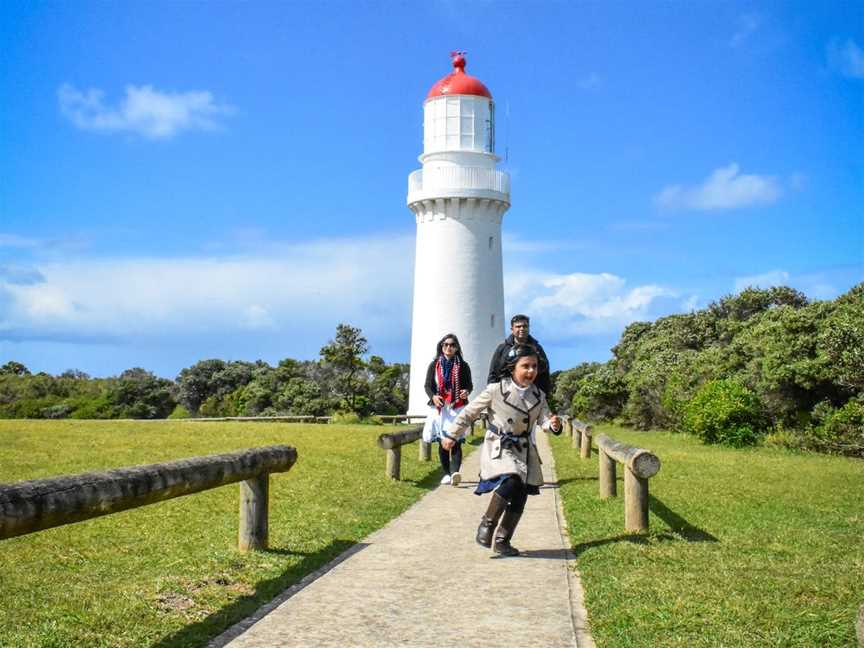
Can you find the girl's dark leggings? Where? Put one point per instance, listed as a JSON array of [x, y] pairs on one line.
[[444, 457], [514, 492]]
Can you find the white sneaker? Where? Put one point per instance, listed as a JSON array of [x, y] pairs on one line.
[[445, 479], [455, 478]]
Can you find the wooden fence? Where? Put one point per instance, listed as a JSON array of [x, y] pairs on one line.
[[580, 434], [392, 442], [30, 506], [639, 466]]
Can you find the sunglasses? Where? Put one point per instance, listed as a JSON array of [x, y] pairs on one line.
[[450, 344]]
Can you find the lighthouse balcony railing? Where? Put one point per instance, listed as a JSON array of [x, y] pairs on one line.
[[444, 181]]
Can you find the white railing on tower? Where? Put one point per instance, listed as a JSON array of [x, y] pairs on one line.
[[440, 180]]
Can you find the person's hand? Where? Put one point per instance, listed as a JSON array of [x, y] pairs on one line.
[[437, 401], [447, 444], [463, 394], [555, 423]]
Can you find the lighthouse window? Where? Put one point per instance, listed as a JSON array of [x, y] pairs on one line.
[[466, 130], [492, 320], [438, 120], [491, 238], [490, 130]]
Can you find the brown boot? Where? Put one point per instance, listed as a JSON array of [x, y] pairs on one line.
[[490, 520], [504, 534]]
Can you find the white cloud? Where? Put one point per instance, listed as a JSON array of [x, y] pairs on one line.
[[765, 280], [747, 26], [292, 291], [144, 110], [291, 296], [847, 58], [725, 188], [256, 318], [579, 303]]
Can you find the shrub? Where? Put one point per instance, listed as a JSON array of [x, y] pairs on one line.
[[725, 412], [842, 431], [346, 418], [599, 395], [179, 412], [98, 407], [59, 411]]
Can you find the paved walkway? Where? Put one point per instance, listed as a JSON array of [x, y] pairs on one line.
[[390, 591]]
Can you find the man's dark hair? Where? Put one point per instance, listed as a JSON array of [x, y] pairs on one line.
[[519, 318]]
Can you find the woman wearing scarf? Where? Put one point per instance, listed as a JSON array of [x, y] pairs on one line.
[[448, 383]]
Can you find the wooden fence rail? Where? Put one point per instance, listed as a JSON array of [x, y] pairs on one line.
[[580, 434], [639, 466], [392, 442], [30, 506]]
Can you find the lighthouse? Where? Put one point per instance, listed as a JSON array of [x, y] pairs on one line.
[[458, 198]]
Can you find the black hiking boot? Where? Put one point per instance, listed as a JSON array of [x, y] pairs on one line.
[[505, 533], [490, 520]]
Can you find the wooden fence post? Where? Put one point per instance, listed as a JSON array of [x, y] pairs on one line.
[[425, 451], [576, 441], [254, 513], [586, 442], [639, 466], [608, 487], [635, 501], [394, 461]]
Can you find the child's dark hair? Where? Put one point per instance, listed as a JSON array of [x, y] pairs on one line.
[[515, 353]]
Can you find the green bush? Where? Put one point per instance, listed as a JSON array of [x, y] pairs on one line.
[[599, 395], [179, 412], [346, 418], [59, 411], [842, 431], [98, 407], [725, 412]]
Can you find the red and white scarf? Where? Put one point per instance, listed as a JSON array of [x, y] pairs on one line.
[[450, 393]]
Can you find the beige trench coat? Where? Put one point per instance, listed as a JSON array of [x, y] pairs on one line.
[[508, 412]]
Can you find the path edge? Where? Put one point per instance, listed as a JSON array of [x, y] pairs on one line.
[[578, 612]]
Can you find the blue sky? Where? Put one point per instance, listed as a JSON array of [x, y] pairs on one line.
[[189, 180]]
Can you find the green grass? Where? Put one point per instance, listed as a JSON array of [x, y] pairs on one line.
[[170, 574], [754, 547]]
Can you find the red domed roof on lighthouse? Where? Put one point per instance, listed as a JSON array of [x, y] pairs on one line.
[[457, 82]]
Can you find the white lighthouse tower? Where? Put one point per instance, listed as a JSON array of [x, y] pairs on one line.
[[458, 198]]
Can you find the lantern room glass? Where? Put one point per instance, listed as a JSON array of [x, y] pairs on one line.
[[459, 123]]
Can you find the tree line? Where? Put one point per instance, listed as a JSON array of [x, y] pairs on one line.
[[761, 365], [341, 381]]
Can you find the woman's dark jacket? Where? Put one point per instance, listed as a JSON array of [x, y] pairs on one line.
[[464, 379]]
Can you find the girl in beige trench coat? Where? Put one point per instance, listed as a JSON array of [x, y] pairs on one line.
[[509, 462]]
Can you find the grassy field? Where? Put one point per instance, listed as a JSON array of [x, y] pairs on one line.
[[754, 547], [170, 574]]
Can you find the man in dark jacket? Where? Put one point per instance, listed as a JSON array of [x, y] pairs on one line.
[[519, 326]]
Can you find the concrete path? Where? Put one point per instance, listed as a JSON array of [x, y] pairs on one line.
[[422, 581]]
